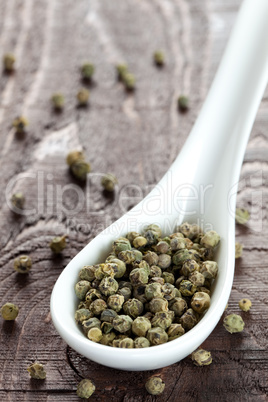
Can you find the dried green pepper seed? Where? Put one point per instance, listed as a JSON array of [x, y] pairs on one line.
[[175, 331], [23, 264], [153, 290], [189, 267], [162, 319], [201, 357], [151, 257], [242, 215], [18, 200], [181, 256], [129, 81], [139, 241], [245, 304], [19, 124], [122, 69], [209, 269], [73, 156], [98, 306], [121, 244], [87, 273], [157, 336], [115, 302], [94, 334], [87, 71], [58, 101], [85, 389], [133, 308], [164, 261], [9, 311], [81, 288], [82, 314], [138, 276], [183, 103], [162, 247], [178, 305], [189, 319], [159, 58], [108, 182], [233, 323], [131, 236], [127, 343], [158, 304], [197, 278], [8, 62], [154, 228], [141, 342], [187, 288], [238, 249], [58, 244], [80, 168], [210, 239], [108, 315], [122, 323], [140, 326], [168, 277], [91, 323], [155, 386], [82, 97], [200, 302], [37, 371]]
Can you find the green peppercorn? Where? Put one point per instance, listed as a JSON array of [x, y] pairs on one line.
[[122, 69], [125, 292], [164, 261], [127, 343], [106, 327], [157, 279], [138, 276], [87, 71], [108, 286], [93, 294], [163, 319], [141, 342], [190, 231], [140, 326], [18, 200], [73, 156], [94, 334], [37, 371], [119, 266], [9, 311], [178, 305], [85, 389], [107, 339], [233, 323], [90, 323], [108, 314], [162, 247], [23, 264], [154, 228], [168, 277], [177, 243], [87, 273], [189, 319], [151, 257], [121, 244], [241, 215], [200, 302], [181, 256], [19, 124], [115, 302], [155, 271], [183, 103], [80, 169], [122, 323], [108, 182], [157, 336], [98, 306], [81, 288], [82, 97], [189, 267], [197, 278], [187, 288], [131, 236], [8, 62], [175, 331], [139, 241], [153, 290], [155, 386], [57, 100], [158, 304], [82, 314], [133, 307], [201, 357], [209, 269], [238, 249], [129, 81], [58, 244], [159, 58], [245, 304], [210, 239]]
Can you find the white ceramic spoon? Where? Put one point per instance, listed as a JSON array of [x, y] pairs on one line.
[[209, 164]]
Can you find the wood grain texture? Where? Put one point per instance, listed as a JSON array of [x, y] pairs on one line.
[[136, 136]]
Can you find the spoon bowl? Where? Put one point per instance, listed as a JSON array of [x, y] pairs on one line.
[[199, 187]]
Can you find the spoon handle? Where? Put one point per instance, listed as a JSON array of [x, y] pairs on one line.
[[219, 137]]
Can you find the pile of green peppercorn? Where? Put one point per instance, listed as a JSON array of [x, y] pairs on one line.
[[150, 290]]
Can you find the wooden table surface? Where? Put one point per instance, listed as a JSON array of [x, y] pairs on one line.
[[136, 136]]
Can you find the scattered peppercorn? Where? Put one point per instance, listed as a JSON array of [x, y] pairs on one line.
[[19, 124], [108, 182], [238, 249], [18, 200], [87, 71], [57, 101], [159, 58], [85, 389], [233, 323], [241, 215], [9, 311], [58, 244], [183, 103], [121, 69], [245, 304], [8, 62], [82, 97], [155, 385], [23, 264], [201, 357], [78, 166], [37, 371]]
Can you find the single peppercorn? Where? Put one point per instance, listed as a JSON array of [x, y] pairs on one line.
[[141, 342], [57, 101], [155, 386], [189, 267], [122, 323], [126, 343], [162, 319], [133, 307], [178, 305], [201, 357], [20, 123], [189, 319], [18, 200], [121, 244], [200, 302], [139, 241], [23, 264], [183, 103], [210, 239], [37, 371], [8, 62], [209, 269], [58, 244], [241, 216], [82, 314], [108, 182], [80, 169], [233, 323], [85, 389], [94, 334], [115, 302], [164, 261], [187, 288], [159, 58], [238, 249], [87, 71], [158, 304], [121, 69], [82, 97], [73, 156], [81, 288], [245, 304], [129, 81], [157, 336], [175, 331], [9, 311], [140, 326]]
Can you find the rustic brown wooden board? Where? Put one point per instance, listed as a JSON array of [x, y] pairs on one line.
[[136, 136]]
